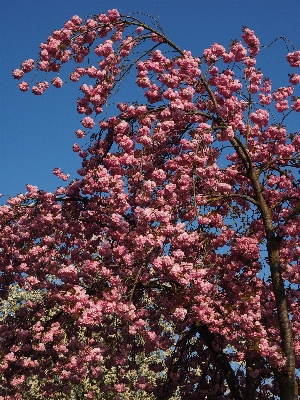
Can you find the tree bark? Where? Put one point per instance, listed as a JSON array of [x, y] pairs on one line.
[[250, 381], [287, 375], [222, 362]]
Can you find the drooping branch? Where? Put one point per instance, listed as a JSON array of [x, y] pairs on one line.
[[222, 361]]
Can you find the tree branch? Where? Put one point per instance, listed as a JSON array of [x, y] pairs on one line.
[[222, 362]]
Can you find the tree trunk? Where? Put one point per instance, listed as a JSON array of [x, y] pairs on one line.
[[222, 362], [286, 376]]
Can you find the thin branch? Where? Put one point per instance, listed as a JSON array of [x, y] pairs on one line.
[[224, 196]]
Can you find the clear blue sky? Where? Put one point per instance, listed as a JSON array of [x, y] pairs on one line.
[[37, 132]]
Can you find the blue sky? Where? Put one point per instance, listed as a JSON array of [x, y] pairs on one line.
[[37, 132]]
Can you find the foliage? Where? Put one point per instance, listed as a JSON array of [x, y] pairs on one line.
[[170, 269]]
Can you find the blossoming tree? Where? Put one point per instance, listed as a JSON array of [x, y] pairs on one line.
[[171, 268]]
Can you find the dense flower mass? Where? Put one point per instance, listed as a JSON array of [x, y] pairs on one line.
[[170, 268]]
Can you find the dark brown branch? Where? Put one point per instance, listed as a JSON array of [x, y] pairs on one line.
[[295, 211], [222, 362]]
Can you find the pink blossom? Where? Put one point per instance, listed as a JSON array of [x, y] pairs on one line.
[[248, 247], [113, 15], [294, 79], [57, 82], [80, 133], [265, 99], [103, 18], [18, 73], [27, 65], [91, 24], [226, 134], [266, 86], [282, 105], [252, 41], [260, 117], [37, 90], [228, 57], [157, 251], [44, 66], [250, 62], [23, 86], [180, 313], [40, 88], [10, 357], [60, 174], [294, 59], [76, 147], [239, 51], [159, 176], [105, 49], [75, 76], [120, 387], [17, 381], [282, 93], [253, 88], [76, 20], [88, 122], [213, 53], [296, 105], [156, 38]]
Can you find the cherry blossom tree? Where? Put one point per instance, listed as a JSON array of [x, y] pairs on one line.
[[171, 268]]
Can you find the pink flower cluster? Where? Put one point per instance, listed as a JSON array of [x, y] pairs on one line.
[[260, 117], [252, 41], [294, 59], [152, 261], [57, 172]]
